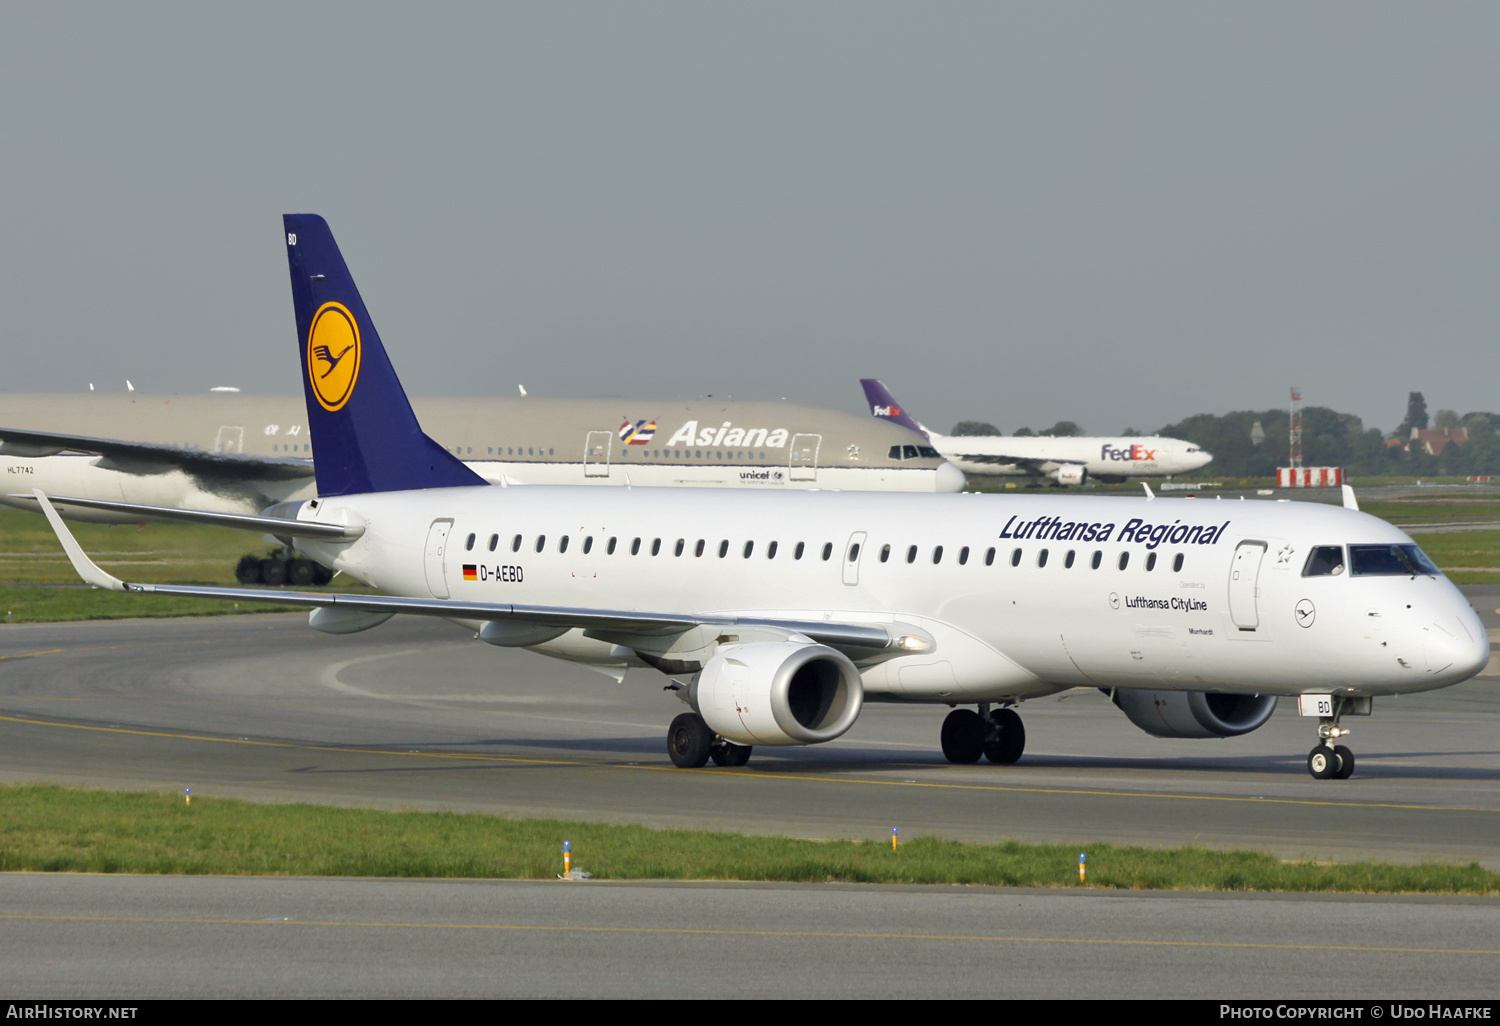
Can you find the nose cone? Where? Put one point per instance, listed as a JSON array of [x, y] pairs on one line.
[[949, 478], [1201, 459], [1456, 647]]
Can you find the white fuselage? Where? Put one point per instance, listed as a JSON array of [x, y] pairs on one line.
[[1101, 457], [967, 569]]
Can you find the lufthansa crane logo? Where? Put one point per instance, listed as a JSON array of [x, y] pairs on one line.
[[333, 355]]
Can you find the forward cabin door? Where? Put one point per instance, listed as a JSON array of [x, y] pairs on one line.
[[596, 453], [804, 460], [231, 438], [853, 553], [1244, 581], [437, 549]]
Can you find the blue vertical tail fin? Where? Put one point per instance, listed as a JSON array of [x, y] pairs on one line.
[[365, 437]]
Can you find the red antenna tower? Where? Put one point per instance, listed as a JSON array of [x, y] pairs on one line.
[[1296, 427]]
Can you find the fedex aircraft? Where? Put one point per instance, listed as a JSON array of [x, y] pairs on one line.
[[776, 616], [1066, 461]]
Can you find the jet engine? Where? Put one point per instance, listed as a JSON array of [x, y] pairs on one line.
[[1070, 474], [778, 693], [1194, 713]]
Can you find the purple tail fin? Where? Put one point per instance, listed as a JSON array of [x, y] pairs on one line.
[[884, 406]]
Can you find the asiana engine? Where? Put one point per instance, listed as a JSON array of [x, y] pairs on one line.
[[778, 693], [1194, 713]]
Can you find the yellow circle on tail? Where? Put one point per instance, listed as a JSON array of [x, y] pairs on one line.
[[333, 355]]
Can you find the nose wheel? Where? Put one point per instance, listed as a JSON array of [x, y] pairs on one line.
[[1334, 762]]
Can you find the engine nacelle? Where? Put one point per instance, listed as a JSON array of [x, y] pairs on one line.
[[778, 693], [1194, 713], [1070, 474]]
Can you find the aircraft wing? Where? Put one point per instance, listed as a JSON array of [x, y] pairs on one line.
[[154, 458], [1029, 463], [858, 640]]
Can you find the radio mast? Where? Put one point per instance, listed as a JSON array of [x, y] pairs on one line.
[[1295, 434]]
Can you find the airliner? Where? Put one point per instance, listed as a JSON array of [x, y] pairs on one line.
[[1064, 461], [775, 616]]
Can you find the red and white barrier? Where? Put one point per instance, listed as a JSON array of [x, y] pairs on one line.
[[1309, 477]]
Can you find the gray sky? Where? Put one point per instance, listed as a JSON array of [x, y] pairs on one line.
[[1116, 213]]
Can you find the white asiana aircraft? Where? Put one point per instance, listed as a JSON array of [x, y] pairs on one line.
[[779, 615], [1067, 461]]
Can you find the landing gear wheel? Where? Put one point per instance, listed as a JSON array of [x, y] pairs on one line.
[[321, 574], [727, 753], [963, 736], [247, 570], [273, 571], [299, 572], [689, 741], [1007, 737], [1323, 762], [1346, 762]]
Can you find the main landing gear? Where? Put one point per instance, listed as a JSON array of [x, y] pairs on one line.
[[691, 744], [1330, 760], [999, 736], [281, 568]]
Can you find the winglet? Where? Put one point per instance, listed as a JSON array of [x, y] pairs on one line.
[[90, 573], [1149, 493], [883, 405], [1350, 502]]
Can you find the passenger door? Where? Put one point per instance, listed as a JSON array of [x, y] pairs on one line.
[[437, 548], [231, 438], [1244, 582], [596, 453], [804, 458]]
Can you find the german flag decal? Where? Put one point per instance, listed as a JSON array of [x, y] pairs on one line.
[[471, 572]]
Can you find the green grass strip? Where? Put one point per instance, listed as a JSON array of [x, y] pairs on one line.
[[47, 828]]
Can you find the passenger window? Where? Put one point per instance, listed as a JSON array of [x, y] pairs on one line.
[[723, 548], [698, 549], [1324, 561], [1041, 558], [562, 546], [963, 555], [854, 552], [1015, 558], [911, 553], [1098, 559], [937, 555], [588, 545], [749, 548], [494, 540], [680, 543], [1068, 560], [655, 546], [797, 552], [1150, 561], [771, 551], [827, 551], [895, 452], [885, 553], [1177, 563], [609, 550], [1124, 560], [989, 558], [515, 544], [541, 542], [469, 545], [635, 546]]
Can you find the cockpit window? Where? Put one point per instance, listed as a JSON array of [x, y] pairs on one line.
[[928, 452], [1390, 560], [1324, 561], [909, 452]]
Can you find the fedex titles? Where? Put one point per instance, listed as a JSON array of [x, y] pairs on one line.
[[728, 434], [1150, 535], [886, 411], [1126, 455]]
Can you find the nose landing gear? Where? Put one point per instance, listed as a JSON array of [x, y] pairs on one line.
[[1330, 761]]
